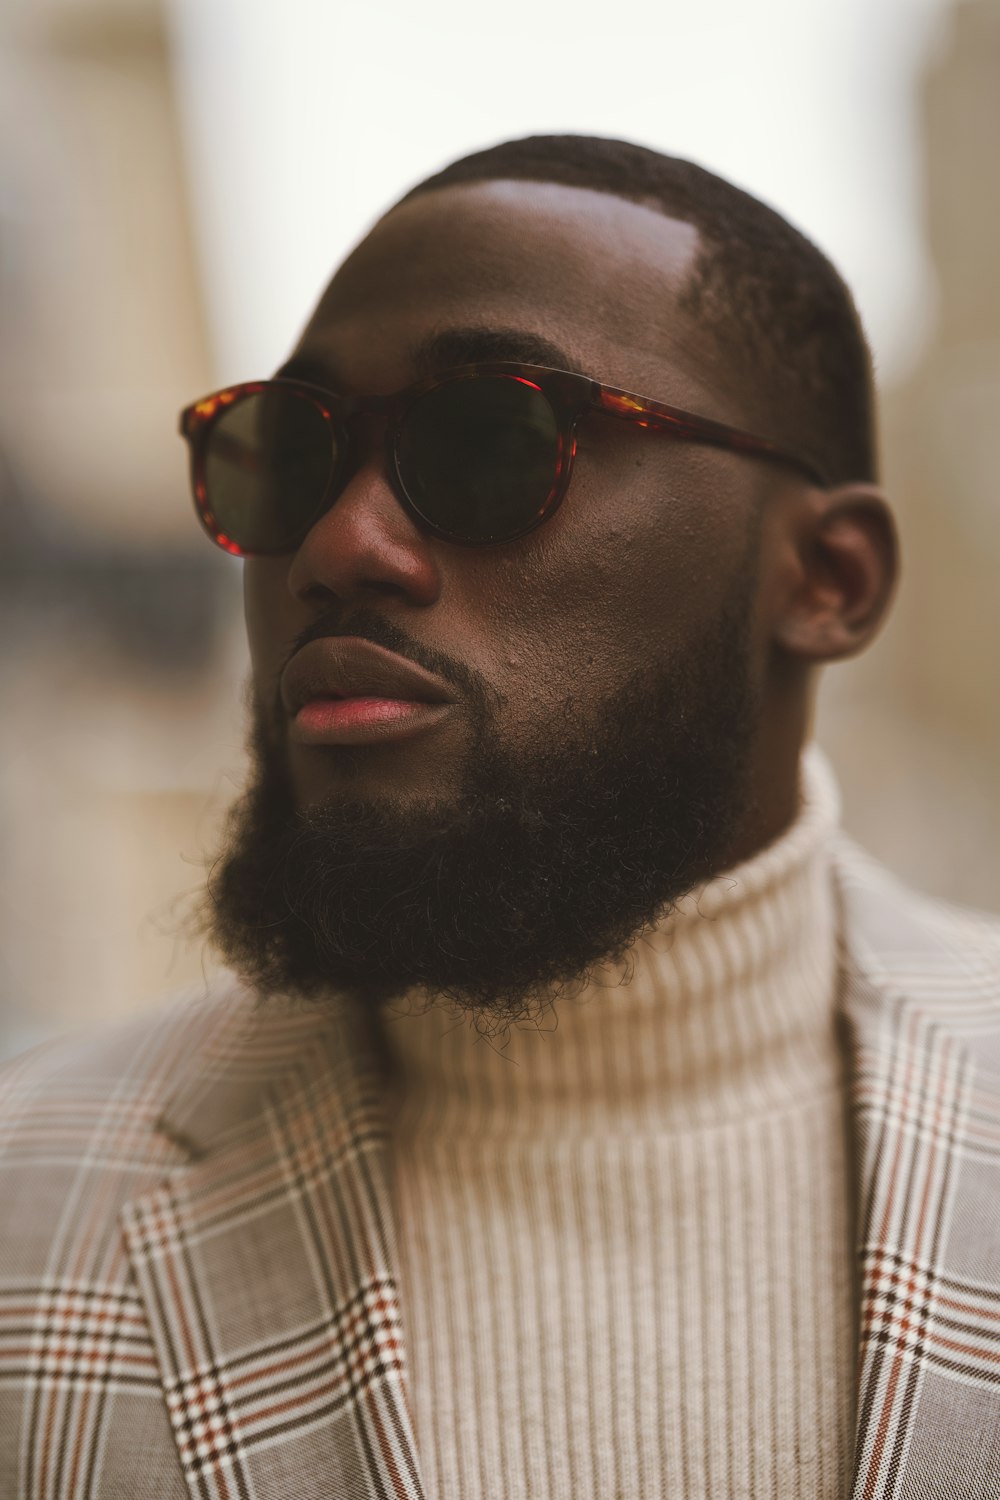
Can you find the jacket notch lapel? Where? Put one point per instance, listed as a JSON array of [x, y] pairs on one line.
[[267, 1271]]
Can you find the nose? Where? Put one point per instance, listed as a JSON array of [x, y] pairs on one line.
[[366, 545]]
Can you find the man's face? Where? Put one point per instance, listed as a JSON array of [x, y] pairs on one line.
[[640, 558], [618, 642]]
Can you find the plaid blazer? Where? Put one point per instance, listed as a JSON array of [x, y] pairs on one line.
[[197, 1290]]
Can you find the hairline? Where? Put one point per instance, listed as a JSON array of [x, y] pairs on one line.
[[782, 331]]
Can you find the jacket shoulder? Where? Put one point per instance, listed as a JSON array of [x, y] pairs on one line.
[[129, 1065], [935, 950], [80, 1115]]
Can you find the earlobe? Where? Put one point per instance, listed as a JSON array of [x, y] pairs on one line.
[[845, 551]]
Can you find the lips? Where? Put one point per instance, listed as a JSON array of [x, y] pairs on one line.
[[337, 667]]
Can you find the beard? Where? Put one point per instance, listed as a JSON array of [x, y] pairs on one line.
[[548, 862]]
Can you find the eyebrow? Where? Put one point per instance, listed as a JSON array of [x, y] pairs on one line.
[[450, 349]]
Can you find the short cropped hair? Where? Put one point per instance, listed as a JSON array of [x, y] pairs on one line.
[[774, 306]]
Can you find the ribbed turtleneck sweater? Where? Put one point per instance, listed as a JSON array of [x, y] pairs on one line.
[[625, 1239]]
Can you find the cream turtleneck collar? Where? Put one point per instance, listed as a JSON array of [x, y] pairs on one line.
[[726, 1012]]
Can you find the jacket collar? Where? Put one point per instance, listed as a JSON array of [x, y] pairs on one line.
[[285, 1209]]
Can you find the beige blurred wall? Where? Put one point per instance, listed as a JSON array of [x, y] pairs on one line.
[[120, 653], [914, 727], [102, 321], [121, 649]]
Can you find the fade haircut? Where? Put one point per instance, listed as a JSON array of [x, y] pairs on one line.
[[779, 315]]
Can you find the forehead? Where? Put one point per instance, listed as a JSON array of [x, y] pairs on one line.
[[594, 275]]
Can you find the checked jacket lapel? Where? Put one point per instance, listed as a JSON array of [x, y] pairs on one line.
[[266, 1270], [920, 1004]]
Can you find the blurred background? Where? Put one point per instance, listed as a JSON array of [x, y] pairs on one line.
[[177, 180]]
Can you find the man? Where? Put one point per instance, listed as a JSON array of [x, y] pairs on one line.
[[584, 1115]]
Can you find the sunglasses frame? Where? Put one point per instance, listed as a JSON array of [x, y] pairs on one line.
[[570, 396]]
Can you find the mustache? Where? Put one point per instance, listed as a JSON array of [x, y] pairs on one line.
[[368, 625]]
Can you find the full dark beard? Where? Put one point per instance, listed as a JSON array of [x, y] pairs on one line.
[[547, 863]]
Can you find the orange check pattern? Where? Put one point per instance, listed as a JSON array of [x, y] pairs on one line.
[[198, 1295]]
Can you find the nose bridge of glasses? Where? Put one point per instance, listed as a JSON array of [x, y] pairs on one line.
[[365, 428], [362, 426]]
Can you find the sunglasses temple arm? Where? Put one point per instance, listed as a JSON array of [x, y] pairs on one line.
[[685, 426]]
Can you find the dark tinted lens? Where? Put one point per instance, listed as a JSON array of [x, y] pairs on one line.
[[268, 463], [478, 457]]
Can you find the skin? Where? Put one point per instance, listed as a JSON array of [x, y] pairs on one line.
[[650, 538]]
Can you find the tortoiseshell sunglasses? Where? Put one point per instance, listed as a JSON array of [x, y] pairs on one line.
[[478, 455]]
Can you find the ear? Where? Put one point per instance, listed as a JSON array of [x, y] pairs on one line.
[[841, 561]]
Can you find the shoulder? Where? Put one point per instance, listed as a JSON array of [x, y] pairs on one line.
[[887, 913], [80, 1116], [127, 1066], [101, 1117], [932, 957]]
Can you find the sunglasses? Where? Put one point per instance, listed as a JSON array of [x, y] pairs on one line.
[[478, 455]]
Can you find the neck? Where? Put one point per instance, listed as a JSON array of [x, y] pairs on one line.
[[775, 784]]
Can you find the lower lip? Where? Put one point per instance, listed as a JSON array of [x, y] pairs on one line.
[[363, 721]]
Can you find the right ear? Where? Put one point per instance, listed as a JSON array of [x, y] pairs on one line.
[[839, 573]]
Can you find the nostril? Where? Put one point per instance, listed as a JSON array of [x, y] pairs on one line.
[[314, 593]]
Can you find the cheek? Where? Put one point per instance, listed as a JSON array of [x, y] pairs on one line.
[[624, 574]]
